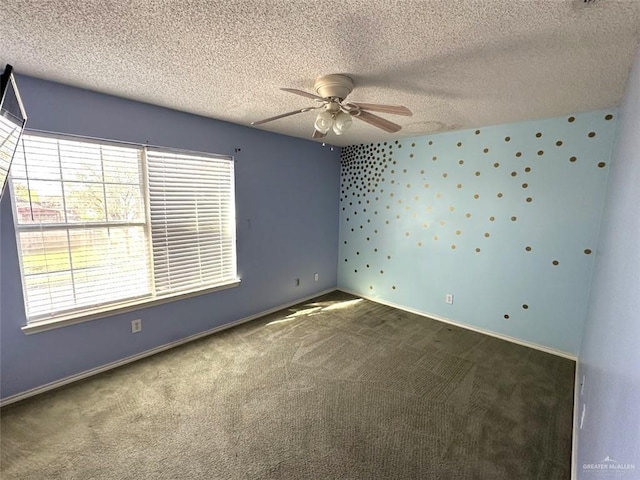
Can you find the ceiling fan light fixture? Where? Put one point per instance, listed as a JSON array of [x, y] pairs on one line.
[[323, 122], [341, 123]]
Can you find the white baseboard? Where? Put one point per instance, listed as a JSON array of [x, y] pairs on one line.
[[118, 363], [524, 343]]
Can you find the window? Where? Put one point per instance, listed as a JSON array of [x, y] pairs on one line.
[[102, 225]]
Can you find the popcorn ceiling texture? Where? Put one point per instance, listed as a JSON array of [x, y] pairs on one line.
[[456, 64], [505, 218]]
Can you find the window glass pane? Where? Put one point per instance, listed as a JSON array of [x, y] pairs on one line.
[[81, 161], [47, 291], [110, 264], [121, 165], [44, 251], [124, 203], [84, 202], [38, 201], [42, 158]]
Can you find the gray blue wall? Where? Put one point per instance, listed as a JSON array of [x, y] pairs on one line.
[[287, 198], [505, 218], [610, 354]]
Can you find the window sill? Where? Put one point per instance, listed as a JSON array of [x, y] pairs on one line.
[[81, 317]]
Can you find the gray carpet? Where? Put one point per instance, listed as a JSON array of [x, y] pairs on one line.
[[335, 388]]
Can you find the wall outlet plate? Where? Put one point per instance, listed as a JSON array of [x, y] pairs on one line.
[[315, 277], [449, 298], [136, 325]]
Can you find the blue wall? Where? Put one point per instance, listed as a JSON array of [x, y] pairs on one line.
[[287, 227], [483, 215], [610, 354]]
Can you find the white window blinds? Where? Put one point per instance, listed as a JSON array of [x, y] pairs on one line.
[[80, 223], [192, 211], [101, 225]]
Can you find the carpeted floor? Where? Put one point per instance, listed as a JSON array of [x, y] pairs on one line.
[[335, 388]]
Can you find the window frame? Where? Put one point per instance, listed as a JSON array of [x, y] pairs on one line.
[[96, 311]]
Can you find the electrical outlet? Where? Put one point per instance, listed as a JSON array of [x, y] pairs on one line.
[[315, 277], [136, 325], [449, 298]]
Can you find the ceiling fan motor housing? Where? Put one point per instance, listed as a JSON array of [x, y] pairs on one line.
[[333, 86]]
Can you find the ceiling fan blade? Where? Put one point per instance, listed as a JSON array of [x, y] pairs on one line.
[[303, 93], [288, 114], [392, 109], [317, 134], [377, 121]]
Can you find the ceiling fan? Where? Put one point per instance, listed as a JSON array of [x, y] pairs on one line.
[[335, 113]]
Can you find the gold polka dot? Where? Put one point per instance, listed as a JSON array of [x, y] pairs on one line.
[[527, 169], [419, 244], [525, 185], [571, 119], [453, 247], [435, 237], [430, 142], [381, 272], [513, 174], [486, 234], [413, 144], [458, 232], [461, 162], [408, 185], [559, 143], [426, 185], [486, 150], [477, 250], [601, 164], [592, 134], [525, 306], [468, 215], [529, 199], [438, 195], [425, 225], [518, 154], [507, 139], [608, 117], [513, 219], [444, 175], [459, 185], [528, 249], [538, 135], [540, 152], [411, 155], [422, 172], [572, 159], [370, 287], [441, 222], [492, 219], [477, 174], [587, 251], [477, 132], [434, 158], [499, 195], [506, 316], [459, 144], [496, 165], [393, 287], [556, 262], [451, 209]]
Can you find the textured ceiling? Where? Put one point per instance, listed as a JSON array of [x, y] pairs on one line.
[[455, 63]]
